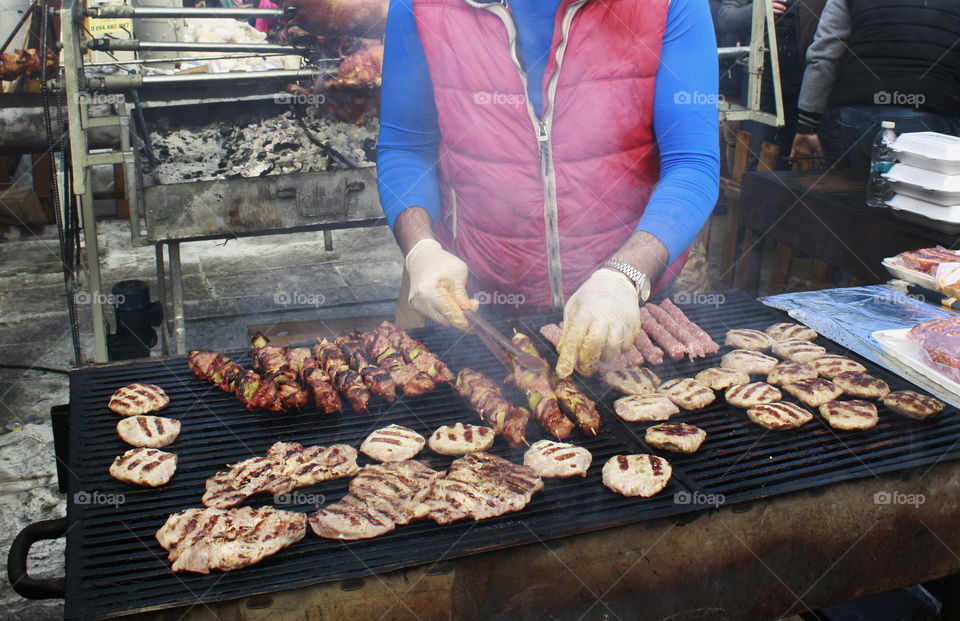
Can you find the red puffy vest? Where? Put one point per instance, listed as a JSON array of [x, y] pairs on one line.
[[535, 206]]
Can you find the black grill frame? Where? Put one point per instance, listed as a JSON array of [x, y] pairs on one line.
[[115, 566]]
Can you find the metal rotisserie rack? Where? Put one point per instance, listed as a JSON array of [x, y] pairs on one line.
[[114, 565]]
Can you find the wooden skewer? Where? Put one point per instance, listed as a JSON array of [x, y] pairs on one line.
[[524, 440]]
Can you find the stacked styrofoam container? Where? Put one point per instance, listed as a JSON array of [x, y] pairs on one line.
[[927, 180]]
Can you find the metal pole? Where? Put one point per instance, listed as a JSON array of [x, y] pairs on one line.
[[162, 296], [135, 45], [176, 285], [123, 11], [115, 83]]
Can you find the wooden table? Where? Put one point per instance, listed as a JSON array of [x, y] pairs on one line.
[[822, 215]]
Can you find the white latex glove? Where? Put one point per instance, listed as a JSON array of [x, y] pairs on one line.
[[438, 283], [601, 320]]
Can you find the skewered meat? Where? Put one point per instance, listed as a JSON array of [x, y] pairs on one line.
[[416, 353], [381, 497], [377, 380], [913, 405], [481, 486], [361, 68], [785, 331], [748, 361], [361, 18], [286, 466], [814, 392], [850, 415], [345, 379], [488, 402], [411, 380], [273, 363], [136, 399], [24, 63], [460, 439], [749, 395], [676, 437], [652, 406], [144, 466], [252, 390], [690, 342], [688, 393], [632, 380], [798, 350], [832, 365], [575, 404], [718, 378], [557, 459], [148, 431], [862, 385], [661, 335], [540, 395], [707, 343], [789, 371], [743, 338], [392, 443], [637, 475], [199, 540], [780, 415]]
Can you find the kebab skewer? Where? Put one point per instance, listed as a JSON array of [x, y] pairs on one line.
[[540, 395], [575, 404], [377, 380], [271, 362], [489, 403], [410, 380], [346, 380], [416, 353], [249, 387], [304, 367]]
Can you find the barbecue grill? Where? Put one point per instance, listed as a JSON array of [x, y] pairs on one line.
[[114, 565]]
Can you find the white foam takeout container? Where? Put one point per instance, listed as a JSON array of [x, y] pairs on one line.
[[926, 185], [931, 215], [930, 151]]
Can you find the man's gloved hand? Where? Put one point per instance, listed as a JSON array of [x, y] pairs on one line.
[[438, 283], [601, 320]]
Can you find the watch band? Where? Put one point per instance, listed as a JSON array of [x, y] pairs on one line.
[[640, 280]]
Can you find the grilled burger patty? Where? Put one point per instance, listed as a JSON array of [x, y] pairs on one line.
[[652, 406], [850, 415], [557, 459], [718, 378], [392, 443], [676, 437], [743, 338], [144, 466], [148, 431], [636, 475], [460, 439], [814, 392], [789, 371], [752, 362], [786, 331], [136, 399], [862, 385], [632, 380], [688, 393], [832, 365], [749, 395], [780, 415], [798, 350], [913, 405]]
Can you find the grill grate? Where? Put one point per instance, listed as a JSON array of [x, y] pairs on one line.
[[114, 565]]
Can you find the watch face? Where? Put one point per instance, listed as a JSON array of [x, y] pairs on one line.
[[644, 289]]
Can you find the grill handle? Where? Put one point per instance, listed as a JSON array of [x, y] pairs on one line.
[[17, 561]]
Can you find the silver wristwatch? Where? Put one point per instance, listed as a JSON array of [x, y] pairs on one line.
[[639, 279]]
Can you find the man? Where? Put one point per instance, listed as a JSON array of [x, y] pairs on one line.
[[877, 60], [548, 152]]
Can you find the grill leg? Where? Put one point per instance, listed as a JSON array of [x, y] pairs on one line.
[[162, 296], [176, 285]]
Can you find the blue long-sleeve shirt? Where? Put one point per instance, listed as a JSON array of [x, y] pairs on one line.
[[685, 116]]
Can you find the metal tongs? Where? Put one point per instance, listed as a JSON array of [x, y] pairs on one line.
[[497, 341]]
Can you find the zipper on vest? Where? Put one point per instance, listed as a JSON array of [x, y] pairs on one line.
[[541, 129]]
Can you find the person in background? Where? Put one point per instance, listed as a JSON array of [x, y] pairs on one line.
[[877, 60], [547, 154]]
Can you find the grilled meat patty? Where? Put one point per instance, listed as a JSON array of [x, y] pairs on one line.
[[862, 385], [832, 365], [636, 475], [632, 380], [136, 399], [148, 431], [688, 393], [392, 443], [199, 540], [144, 466], [286, 466], [676, 437], [557, 459], [752, 362], [744, 338], [789, 371], [718, 378], [780, 415], [749, 395], [786, 331], [798, 350], [849, 415], [913, 405], [460, 439], [480, 486], [652, 406], [813, 392]]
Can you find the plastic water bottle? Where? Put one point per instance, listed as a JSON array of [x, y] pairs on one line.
[[881, 159]]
